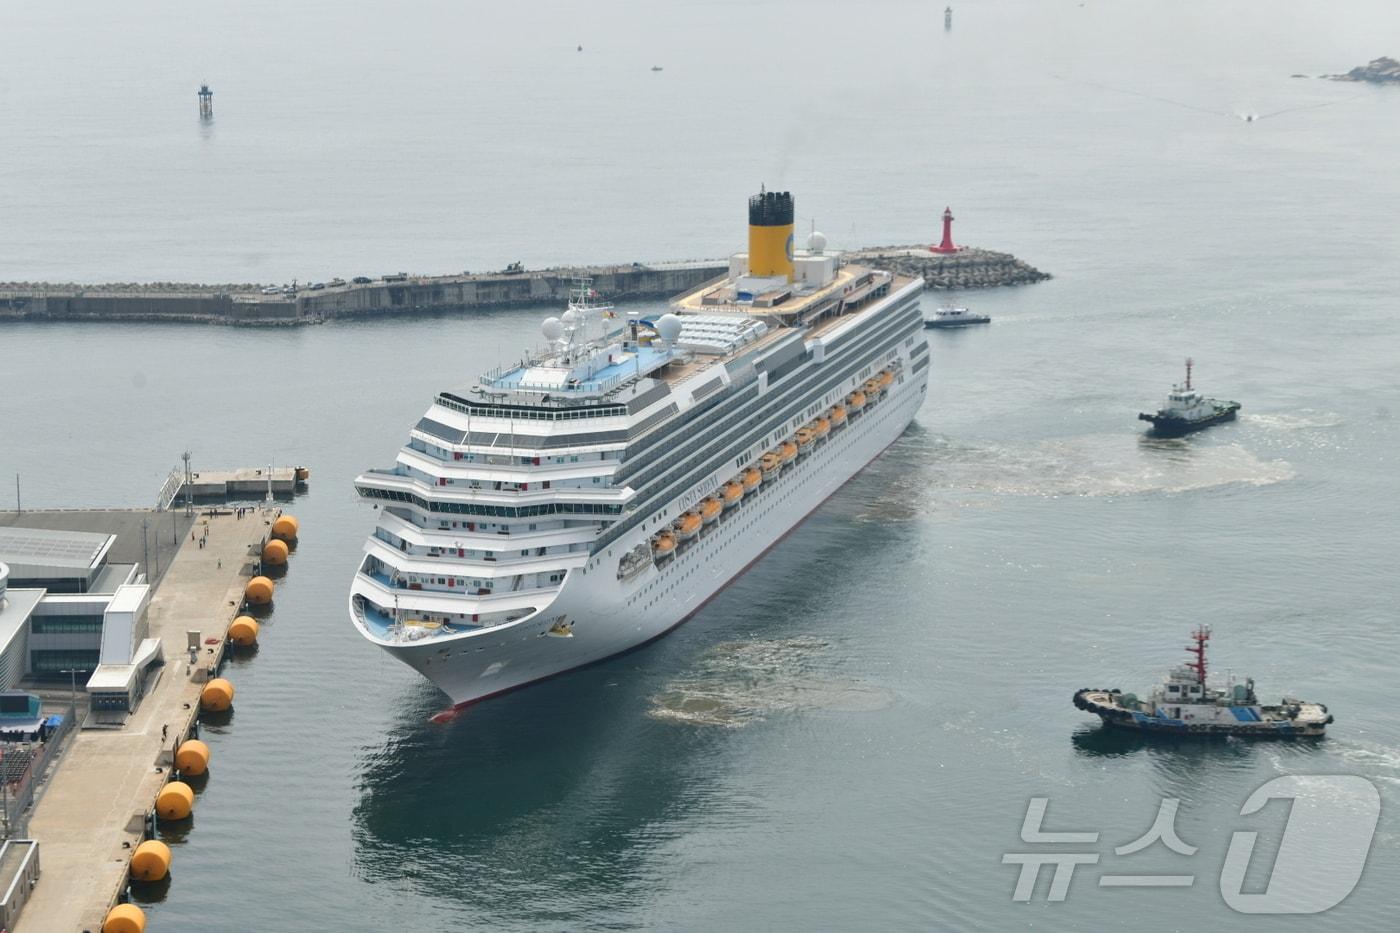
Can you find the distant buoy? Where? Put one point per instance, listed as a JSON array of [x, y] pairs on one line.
[[275, 552], [125, 918], [216, 696], [259, 591], [192, 757], [243, 631], [151, 861], [175, 801], [286, 528]]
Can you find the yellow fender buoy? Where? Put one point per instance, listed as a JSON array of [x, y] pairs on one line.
[[243, 631], [192, 757], [259, 591], [286, 528], [275, 552], [216, 696], [175, 801], [125, 918], [150, 861]]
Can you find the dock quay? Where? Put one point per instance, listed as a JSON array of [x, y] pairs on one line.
[[401, 294], [97, 805], [246, 483]]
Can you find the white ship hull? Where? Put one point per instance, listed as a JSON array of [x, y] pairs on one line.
[[607, 615]]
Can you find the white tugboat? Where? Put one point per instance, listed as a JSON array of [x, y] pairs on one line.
[[1187, 410], [955, 317], [1184, 704]]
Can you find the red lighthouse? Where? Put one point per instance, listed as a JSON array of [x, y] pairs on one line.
[[947, 245]]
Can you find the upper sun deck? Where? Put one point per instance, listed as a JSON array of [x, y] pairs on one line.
[[709, 326]]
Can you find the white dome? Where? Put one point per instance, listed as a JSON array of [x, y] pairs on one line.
[[669, 327], [817, 241], [570, 317], [552, 328]]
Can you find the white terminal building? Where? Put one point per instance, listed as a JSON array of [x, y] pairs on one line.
[[68, 614]]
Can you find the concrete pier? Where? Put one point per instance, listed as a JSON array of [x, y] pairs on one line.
[[249, 482], [92, 814], [409, 294]]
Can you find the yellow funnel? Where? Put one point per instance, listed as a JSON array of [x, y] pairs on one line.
[[770, 234]]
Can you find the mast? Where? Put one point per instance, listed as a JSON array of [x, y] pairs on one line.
[[1189, 363], [1200, 636]]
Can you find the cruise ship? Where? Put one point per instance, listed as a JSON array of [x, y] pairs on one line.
[[596, 495]]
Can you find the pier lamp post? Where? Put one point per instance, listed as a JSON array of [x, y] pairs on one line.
[[72, 673]]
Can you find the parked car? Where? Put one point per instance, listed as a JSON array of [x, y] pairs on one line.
[[272, 290], [336, 283], [396, 277], [318, 286], [361, 280]]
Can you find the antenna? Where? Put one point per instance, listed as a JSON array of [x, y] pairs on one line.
[[1189, 363]]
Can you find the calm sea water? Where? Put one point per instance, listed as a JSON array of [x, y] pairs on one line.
[[847, 737]]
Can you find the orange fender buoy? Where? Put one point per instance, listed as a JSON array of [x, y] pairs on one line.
[[259, 591], [275, 552], [192, 757], [150, 861], [125, 918], [175, 801], [243, 631], [286, 528], [216, 696]]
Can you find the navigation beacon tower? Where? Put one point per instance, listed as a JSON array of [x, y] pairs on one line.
[[206, 102], [947, 245]]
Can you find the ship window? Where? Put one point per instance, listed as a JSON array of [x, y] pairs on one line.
[[1171, 688]]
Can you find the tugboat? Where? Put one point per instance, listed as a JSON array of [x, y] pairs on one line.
[[955, 317], [1184, 704], [1187, 410]]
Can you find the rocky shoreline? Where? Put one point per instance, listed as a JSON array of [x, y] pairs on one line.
[[1383, 70], [969, 267]]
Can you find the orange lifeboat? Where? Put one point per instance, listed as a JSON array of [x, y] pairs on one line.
[[770, 464], [663, 544], [710, 507], [787, 451], [688, 525], [806, 437], [732, 492], [872, 387], [752, 479], [822, 426], [856, 400], [886, 378], [838, 415]]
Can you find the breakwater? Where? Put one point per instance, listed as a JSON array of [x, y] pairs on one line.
[[257, 305], [969, 267]]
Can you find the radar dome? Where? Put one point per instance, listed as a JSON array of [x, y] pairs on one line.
[[817, 241], [570, 316], [669, 327], [552, 328]]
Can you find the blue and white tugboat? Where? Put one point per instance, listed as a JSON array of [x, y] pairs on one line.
[[1187, 410], [1184, 704]]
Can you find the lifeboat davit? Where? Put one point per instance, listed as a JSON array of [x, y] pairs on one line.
[[710, 507], [770, 464], [663, 544], [688, 525], [872, 387], [822, 426], [856, 400], [752, 479], [838, 415], [787, 450], [732, 492], [886, 378], [806, 437]]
